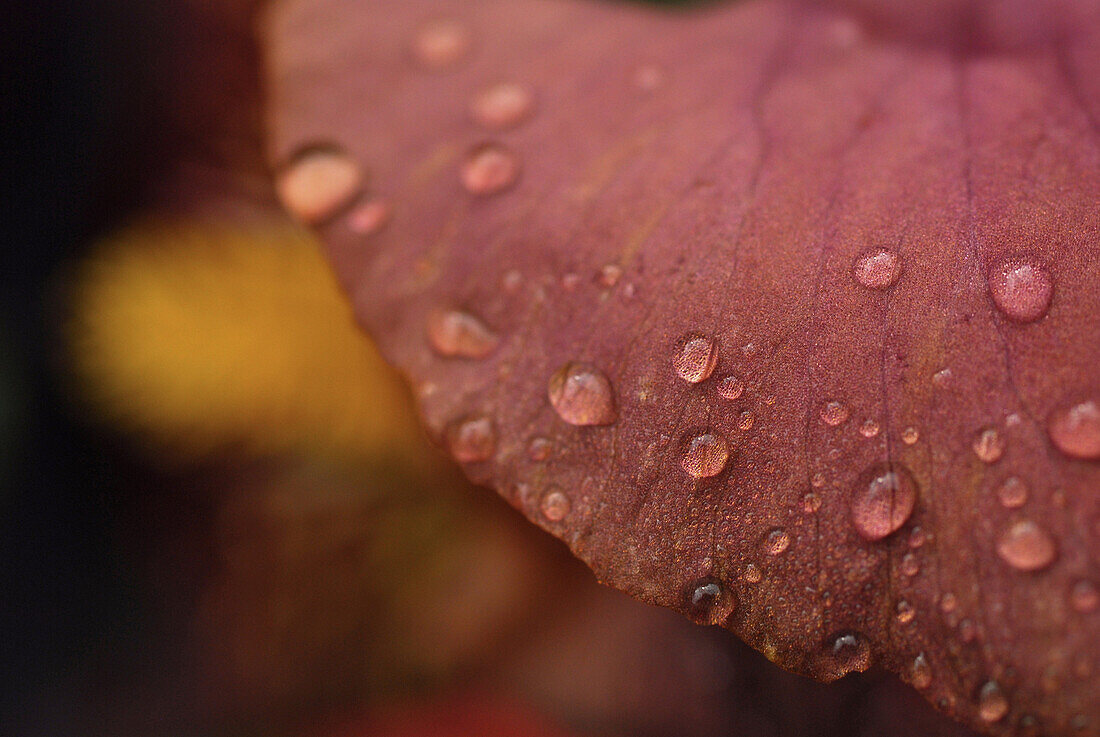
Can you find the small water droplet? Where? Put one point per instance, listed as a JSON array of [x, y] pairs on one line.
[[776, 542], [581, 395], [905, 612], [709, 602], [441, 44], [503, 105], [1075, 430], [705, 454], [948, 603], [370, 217], [752, 573], [1026, 546], [968, 631], [609, 275], [472, 440], [746, 420], [942, 378], [1085, 596], [877, 269], [1021, 289], [489, 168], [539, 449], [1012, 492], [883, 500], [992, 702], [318, 182], [811, 502], [869, 429], [554, 505], [989, 445], [648, 77], [457, 334], [511, 281], [847, 652], [817, 480], [695, 359], [920, 672], [910, 435], [917, 537], [570, 281], [910, 564], [731, 387], [835, 413]]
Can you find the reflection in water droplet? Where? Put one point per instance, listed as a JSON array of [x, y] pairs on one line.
[[440, 44], [910, 565], [457, 334], [539, 449], [705, 454], [695, 359], [992, 702], [502, 105], [472, 440], [776, 542], [869, 429], [554, 505], [1012, 492], [1085, 596], [811, 502], [1021, 289], [877, 269], [370, 217], [1075, 430], [1027, 547], [847, 652], [988, 445], [752, 573], [731, 387], [905, 612], [582, 395], [709, 602], [834, 413], [920, 672], [318, 182], [488, 169], [910, 435], [883, 500]]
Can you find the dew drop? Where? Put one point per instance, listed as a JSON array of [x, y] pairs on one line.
[[370, 217], [488, 169], [709, 602], [457, 334], [910, 435], [917, 537], [988, 445], [511, 281], [539, 449], [581, 395], [472, 440], [695, 359], [948, 603], [554, 505], [905, 612], [441, 44], [503, 105], [1012, 492], [835, 413], [318, 182], [992, 702], [910, 565], [847, 652], [1027, 547], [869, 429], [920, 672], [609, 275], [811, 502], [776, 542], [746, 420], [1085, 596], [731, 387], [1021, 289], [752, 573], [705, 454], [877, 269], [1075, 430], [884, 499]]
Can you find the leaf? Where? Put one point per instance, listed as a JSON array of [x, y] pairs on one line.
[[784, 315]]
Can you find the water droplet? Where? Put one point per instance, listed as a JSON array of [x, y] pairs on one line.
[[746, 420], [539, 449], [511, 281], [731, 387], [488, 169], [884, 499], [710, 602], [847, 652], [1075, 430], [609, 275], [877, 269], [835, 413], [1012, 492], [503, 105], [920, 672], [648, 77], [942, 378], [1027, 547], [554, 505], [582, 395], [457, 334], [370, 217], [910, 435], [472, 440], [1021, 289], [441, 44], [948, 603], [570, 281], [705, 454], [696, 357], [992, 702], [318, 182], [988, 445], [776, 542], [1085, 596], [869, 429], [817, 480], [905, 612], [752, 573], [917, 537], [968, 631], [811, 502], [910, 565]]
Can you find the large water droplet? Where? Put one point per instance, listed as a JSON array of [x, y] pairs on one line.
[[695, 359], [1085, 596], [441, 44], [877, 269], [488, 169], [1012, 492], [457, 334], [920, 672], [582, 395], [992, 702], [777, 541], [472, 440], [989, 445], [1075, 429], [845, 653], [318, 182], [883, 500], [554, 505], [1021, 289], [705, 454], [1026, 546], [709, 602], [731, 387], [834, 413], [502, 105]]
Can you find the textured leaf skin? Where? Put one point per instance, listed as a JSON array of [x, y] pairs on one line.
[[736, 184]]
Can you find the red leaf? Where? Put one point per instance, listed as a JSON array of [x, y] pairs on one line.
[[784, 315]]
